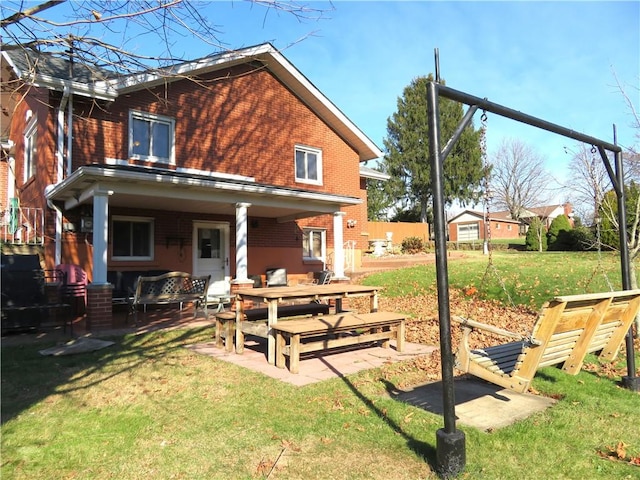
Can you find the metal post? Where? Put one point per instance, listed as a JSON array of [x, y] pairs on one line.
[[450, 443], [617, 178], [629, 381]]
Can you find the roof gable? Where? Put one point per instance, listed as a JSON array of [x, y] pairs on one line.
[[107, 85]]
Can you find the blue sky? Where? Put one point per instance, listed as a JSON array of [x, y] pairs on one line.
[[553, 60], [557, 61]]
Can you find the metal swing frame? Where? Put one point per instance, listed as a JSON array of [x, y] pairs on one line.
[[450, 448]]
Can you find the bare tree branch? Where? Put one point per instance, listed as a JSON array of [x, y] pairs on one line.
[[588, 183], [16, 17], [518, 178], [102, 33]]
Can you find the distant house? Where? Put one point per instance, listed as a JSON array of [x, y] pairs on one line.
[[548, 214], [470, 225], [228, 165]]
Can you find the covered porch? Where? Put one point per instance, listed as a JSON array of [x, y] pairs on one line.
[[202, 223]]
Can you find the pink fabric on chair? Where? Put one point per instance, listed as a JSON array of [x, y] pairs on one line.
[[76, 283]]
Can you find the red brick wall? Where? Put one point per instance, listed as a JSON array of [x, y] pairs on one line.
[[245, 124], [498, 230], [242, 122], [504, 230]]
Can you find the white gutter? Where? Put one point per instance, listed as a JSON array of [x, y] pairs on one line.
[[372, 174], [86, 90], [119, 179]]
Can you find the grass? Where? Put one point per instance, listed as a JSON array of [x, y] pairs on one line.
[[149, 408], [528, 278]]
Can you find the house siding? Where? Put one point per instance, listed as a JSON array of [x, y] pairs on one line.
[[499, 229], [239, 121], [31, 192]]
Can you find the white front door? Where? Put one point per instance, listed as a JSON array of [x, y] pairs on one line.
[[211, 254]]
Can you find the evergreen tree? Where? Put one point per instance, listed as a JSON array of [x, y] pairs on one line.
[[536, 239], [407, 152], [378, 203], [608, 213], [559, 238]]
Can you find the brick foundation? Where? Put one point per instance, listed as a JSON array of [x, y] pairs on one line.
[[99, 307]]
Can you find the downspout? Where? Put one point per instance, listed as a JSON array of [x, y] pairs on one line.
[[60, 170], [69, 136]]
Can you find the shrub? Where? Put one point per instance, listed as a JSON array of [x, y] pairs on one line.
[[412, 245], [536, 239], [581, 239], [558, 234]]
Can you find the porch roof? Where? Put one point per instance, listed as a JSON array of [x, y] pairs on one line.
[[160, 189]]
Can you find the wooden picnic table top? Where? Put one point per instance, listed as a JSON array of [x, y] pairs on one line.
[[307, 291]]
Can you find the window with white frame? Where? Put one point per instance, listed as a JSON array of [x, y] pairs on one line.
[[30, 149], [132, 238], [308, 165], [314, 245], [151, 137]]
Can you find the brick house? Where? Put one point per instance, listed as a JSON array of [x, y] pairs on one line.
[[228, 165], [470, 225]]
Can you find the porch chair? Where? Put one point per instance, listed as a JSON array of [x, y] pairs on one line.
[[277, 277], [325, 277], [74, 289]]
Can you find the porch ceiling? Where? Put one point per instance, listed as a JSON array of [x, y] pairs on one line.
[[159, 189]]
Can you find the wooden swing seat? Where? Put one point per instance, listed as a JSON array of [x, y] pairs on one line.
[[567, 329]]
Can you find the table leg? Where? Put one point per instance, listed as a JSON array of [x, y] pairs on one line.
[[239, 318], [218, 334], [401, 332], [294, 353], [272, 319], [374, 302], [280, 344], [228, 339]]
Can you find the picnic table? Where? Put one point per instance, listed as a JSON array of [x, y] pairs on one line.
[[274, 296]]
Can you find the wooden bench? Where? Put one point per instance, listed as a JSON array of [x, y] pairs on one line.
[[567, 329], [225, 321], [171, 288], [295, 337]]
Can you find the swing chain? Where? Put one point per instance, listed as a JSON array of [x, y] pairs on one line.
[[491, 269], [486, 186], [597, 220]]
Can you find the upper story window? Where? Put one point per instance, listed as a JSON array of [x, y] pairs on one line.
[[308, 165], [151, 137], [30, 149], [132, 238]]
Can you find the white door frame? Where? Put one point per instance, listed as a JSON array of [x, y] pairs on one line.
[[224, 227]]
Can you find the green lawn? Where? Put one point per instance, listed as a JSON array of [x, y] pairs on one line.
[[149, 408]]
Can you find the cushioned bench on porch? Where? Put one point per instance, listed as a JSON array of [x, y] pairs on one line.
[[294, 337], [225, 321]]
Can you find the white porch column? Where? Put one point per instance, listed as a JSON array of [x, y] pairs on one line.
[[338, 245], [100, 235], [241, 242]]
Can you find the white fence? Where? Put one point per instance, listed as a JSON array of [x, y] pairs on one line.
[[22, 226]]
